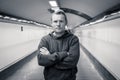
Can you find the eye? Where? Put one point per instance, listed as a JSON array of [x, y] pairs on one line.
[[55, 21], [61, 21]]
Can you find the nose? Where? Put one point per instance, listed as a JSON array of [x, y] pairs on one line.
[[58, 23]]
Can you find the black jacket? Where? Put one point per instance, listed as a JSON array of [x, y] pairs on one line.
[[59, 65]]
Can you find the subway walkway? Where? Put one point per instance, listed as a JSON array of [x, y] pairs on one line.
[[29, 70]]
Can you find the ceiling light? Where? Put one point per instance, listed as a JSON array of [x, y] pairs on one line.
[[6, 17], [1, 16], [14, 19], [53, 3]]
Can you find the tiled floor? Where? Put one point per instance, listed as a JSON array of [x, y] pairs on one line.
[[31, 70]]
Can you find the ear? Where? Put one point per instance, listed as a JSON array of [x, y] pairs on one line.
[[51, 23], [66, 27]]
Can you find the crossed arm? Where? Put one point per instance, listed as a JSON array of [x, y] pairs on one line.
[[60, 60]]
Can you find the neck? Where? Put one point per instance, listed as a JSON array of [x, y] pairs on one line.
[[58, 34]]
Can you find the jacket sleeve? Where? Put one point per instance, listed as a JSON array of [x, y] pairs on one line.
[[45, 60], [72, 59]]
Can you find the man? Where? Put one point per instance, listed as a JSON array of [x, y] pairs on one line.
[[59, 51]]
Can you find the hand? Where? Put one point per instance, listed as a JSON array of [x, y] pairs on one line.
[[44, 51]]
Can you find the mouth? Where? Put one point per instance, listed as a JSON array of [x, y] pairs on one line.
[[58, 28]]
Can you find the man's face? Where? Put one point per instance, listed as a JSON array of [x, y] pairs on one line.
[[58, 22]]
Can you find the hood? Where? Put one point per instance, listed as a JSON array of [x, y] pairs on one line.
[[66, 34]]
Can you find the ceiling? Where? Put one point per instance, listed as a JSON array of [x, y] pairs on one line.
[[78, 11]]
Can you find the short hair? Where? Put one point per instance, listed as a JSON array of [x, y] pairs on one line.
[[59, 11]]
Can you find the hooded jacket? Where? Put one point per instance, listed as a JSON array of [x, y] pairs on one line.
[[58, 64]]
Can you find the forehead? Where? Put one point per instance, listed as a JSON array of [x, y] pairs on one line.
[[58, 16]]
